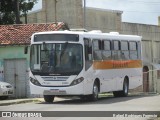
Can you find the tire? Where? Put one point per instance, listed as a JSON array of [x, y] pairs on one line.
[[124, 92], [48, 98], [117, 93], [3, 97], [84, 98], [125, 89], [95, 91]]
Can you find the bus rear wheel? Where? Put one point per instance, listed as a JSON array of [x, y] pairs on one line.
[[124, 92], [49, 98], [125, 88]]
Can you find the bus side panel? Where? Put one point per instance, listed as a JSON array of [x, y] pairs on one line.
[[136, 80], [89, 77]]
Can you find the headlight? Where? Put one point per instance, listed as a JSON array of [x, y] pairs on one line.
[[35, 82], [9, 86], [77, 81]]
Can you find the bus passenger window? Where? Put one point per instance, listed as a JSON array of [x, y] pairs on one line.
[[97, 46], [106, 52], [116, 53], [124, 50], [133, 50], [88, 53], [139, 49]]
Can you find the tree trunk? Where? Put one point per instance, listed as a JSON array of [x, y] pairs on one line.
[[16, 5]]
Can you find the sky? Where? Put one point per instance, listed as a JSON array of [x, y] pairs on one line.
[[37, 6], [134, 11]]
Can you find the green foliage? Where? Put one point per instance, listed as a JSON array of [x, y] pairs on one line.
[[8, 10]]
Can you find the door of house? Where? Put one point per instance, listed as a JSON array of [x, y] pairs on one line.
[[15, 74]]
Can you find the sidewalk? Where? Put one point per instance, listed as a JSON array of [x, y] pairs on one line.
[[19, 101], [26, 100]]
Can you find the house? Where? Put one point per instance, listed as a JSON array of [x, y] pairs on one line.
[[14, 64]]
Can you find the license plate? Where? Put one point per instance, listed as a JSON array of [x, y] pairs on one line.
[[10, 92], [54, 90]]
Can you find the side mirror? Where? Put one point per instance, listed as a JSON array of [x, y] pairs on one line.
[[44, 46], [26, 50]]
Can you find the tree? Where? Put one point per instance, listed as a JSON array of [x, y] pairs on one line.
[[6, 12], [11, 10]]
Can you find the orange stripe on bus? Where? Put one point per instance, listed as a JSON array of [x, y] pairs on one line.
[[117, 64]]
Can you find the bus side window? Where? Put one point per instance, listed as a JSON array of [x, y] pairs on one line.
[[139, 49], [124, 50], [97, 47], [116, 53], [88, 53], [133, 50], [106, 52]]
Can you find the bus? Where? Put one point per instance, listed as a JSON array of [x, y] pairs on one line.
[[84, 64]]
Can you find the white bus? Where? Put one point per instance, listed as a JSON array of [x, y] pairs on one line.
[[84, 64]]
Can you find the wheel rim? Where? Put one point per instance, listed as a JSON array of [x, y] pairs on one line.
[[125, 88], [95, 91]]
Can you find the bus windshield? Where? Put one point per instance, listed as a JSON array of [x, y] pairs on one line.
[[56, 59]]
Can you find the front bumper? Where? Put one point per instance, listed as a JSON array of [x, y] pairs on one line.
[[6, 91], [69, 90]]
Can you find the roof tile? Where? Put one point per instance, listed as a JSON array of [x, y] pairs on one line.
[[20, 34]]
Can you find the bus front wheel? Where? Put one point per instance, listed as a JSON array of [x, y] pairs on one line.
[[48, 98], [94, 95]]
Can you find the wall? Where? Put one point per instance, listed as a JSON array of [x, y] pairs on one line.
[[12, 52], [68, 11], [150, 49], [71, 12], [104, 20]]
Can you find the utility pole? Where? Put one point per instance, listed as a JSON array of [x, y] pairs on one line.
[[84, 14], [55, 11]]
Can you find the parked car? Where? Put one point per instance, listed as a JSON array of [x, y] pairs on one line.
[[6, 90]]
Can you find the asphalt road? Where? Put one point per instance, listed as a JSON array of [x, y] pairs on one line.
[[92, 110]]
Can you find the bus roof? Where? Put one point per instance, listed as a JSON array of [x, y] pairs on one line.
[[96, 34]]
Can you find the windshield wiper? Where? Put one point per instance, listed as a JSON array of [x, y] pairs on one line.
[[65, 47], [63, 51]]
